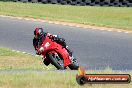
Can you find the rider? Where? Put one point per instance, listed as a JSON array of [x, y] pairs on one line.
[[39, 35]]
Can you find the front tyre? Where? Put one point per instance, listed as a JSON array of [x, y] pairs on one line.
[[56, 61]]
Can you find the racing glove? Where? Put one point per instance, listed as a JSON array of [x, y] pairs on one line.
[[37, 52]]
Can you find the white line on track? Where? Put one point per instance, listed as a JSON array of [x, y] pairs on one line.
[[27, 53]]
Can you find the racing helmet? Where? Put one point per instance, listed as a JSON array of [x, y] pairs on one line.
[[38, 32]]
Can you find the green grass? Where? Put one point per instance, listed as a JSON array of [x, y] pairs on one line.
[[49, 79], [42, 79], [14, 60], [117, 17]]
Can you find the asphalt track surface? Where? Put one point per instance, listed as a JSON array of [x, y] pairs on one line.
[[95, 49]]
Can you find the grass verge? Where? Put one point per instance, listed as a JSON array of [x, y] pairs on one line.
[[14, 60], [42, 79], [49, 79], [117, 17]]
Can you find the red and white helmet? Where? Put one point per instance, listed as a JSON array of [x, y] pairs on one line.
[[38, 31]]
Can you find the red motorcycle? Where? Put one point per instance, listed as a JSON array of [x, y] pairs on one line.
[[57, 55]]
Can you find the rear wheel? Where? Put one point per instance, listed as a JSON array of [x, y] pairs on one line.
[[56, 61], [74, 64]]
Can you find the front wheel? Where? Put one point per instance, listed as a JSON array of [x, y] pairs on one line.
[[56, 61]]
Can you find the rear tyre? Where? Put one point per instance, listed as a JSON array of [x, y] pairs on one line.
[[74, 64], [56, 61]]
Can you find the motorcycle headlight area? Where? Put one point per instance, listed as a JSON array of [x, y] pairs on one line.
[[45, 46], [41, 49]]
